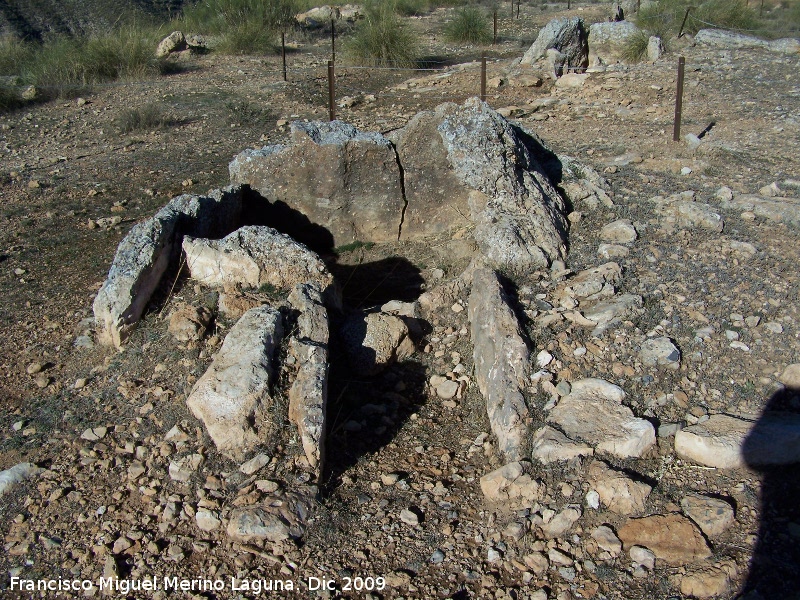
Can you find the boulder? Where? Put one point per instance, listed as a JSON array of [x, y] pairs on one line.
[[511, 485], [712, 515], [256, 256], [620, 231], [233, 397], [617, 491], [502, 362], [337, 177], [318, 17], [282, 516], [308, 396], [682, 210], [655, 48], [593, 412], [174, 42], [453, 166], [374, 341], [607, 41], [566, 35], [708, 580], [672, 538], [518, 214], [148, 249]]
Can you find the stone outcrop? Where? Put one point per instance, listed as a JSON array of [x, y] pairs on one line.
[[511, 485], [145, 253], [777, 210], [617, 491], [254, 256], [308, 396], [174, 42], [567, 36], [15, 475], [607, 41], [502, 362], [233, 397]]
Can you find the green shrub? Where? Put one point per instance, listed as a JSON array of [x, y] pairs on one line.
[[409, 8], [63, 61], [144, 118], [470, 25], [241, 26], [635, 48], [382, 38], [664, 18]]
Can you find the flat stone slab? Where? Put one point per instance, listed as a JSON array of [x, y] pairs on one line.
[[502, 362], [778, 210], [673, 538], [254, 256], [712, 515], [593, 412], [728, 442], [233, 397], [282, 516]]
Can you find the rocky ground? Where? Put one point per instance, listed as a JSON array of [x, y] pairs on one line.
[[131, 485]]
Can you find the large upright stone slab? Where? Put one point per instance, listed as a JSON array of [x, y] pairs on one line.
[[308, 396], [518, 214], [593, 412], [566, 35], [607, 41], [502, 362], [145, 253], [343, 179], [233, 397]]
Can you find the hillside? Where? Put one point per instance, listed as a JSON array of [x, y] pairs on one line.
[[33, 19]]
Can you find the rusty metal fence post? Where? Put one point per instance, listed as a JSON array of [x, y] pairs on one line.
[[333, 40], [483, 77], [283, 53], [676, 131], [331, 92], [494, 37]]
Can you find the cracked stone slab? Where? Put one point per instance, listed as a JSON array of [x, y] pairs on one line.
[[281, 516], [233, 397], [146, 252], [338, 177]]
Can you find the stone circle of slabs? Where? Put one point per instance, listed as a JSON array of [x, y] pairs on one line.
[[465, 160]]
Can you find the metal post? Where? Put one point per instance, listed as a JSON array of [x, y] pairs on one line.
[[520, 2], [283, 53], [494, 38], [331, 93], [483, 77], [676, 132], [569, 4], [686, 16], [333, 41], [512, 9], [761, 11]]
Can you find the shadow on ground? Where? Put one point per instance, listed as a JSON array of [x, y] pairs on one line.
[[775, 566]]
